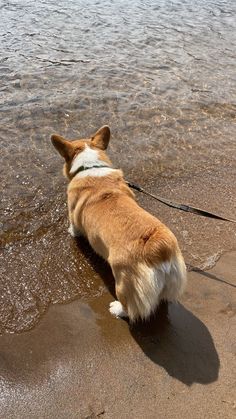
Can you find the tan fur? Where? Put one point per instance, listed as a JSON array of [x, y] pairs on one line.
[[142, 252]]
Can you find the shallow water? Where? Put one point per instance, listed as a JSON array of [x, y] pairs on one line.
[[163, 77]]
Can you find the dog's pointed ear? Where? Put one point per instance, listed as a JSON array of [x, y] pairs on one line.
[[63, 146], [101, 138]]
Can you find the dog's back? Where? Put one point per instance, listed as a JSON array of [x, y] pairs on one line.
[[143, 253]]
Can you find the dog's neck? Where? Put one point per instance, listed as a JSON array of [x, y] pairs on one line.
[[88, 159], [83, 168]]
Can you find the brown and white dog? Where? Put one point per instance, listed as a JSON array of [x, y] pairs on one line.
[[143, 253]]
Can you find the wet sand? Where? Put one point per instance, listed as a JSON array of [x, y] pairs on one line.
[[79, 362]]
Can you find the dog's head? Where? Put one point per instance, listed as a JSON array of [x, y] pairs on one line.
[[71, 149]]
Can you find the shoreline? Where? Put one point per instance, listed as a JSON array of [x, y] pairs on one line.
[[84, 363]]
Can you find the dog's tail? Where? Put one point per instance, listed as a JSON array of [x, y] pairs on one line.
[[141, 291]]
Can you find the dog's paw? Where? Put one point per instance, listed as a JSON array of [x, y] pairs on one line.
[[73, 232], [117, 310]]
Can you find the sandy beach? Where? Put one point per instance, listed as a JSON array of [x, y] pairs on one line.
[[81, 363]]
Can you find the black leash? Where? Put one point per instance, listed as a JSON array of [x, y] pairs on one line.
[[181, 207]]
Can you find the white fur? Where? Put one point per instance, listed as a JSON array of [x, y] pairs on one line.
[[73, 231], [175, 279], [96, 171], [117, 310], [153, 284], [88, 157]]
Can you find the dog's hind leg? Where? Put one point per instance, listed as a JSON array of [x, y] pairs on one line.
[[117, 309], [140, 289], [138, 292], [175, 281], [73, 231]]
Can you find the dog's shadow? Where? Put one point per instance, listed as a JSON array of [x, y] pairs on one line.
[[179, 342], [173, 338]]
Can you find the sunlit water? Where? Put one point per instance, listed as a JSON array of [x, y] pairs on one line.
[[162, 75]]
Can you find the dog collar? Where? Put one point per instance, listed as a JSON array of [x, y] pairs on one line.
[[83, 168]]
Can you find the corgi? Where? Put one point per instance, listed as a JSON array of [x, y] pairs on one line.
[[143, 253]]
